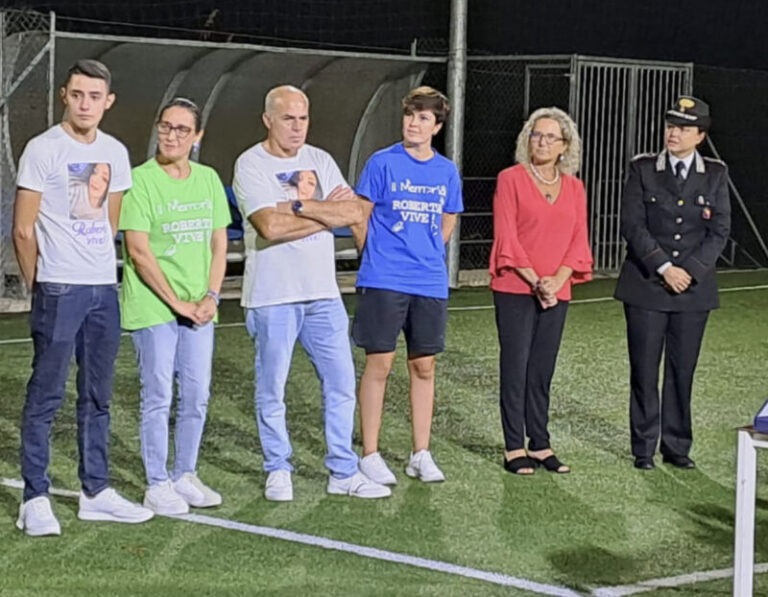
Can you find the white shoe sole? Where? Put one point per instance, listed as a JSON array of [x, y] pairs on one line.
[[414, 474], [50, 531], [106, 517], [279, 497], [178, 511], [371, 496], [387, 480], [203, 503]]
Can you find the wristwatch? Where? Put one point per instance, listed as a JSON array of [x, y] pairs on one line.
[[297, 207], [214, 295]]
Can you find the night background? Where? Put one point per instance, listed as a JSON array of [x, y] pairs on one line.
[[725, 41]]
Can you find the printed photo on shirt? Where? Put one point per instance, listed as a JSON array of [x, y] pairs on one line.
[[300, 184], [88, 187]]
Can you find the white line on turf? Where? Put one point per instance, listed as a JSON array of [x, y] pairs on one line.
[[670, 582], [600, 299], [359, 550]]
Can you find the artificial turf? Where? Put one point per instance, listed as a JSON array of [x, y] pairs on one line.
[[604, 524]]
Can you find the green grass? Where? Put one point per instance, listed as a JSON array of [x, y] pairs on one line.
[[605, 524]]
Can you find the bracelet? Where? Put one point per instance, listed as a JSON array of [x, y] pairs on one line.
[[214, 295]]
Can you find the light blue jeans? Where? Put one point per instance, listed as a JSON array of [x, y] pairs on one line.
[[167, 351], [322, 327]]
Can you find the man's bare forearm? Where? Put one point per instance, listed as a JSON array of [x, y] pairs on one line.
[[333, 214], [26, 255]]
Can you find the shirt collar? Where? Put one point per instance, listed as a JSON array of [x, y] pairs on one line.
[[687, 161]]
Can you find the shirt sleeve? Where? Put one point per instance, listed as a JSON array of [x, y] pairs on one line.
[[579, 256], [371, 181], [507, 252], [33, 167], [221, 216], [121, 175], [251, 187], [135, 212], [333, 175], [454, 202], [633, 225]]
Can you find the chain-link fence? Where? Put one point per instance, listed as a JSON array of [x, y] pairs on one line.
[[501, 92], [25, 104]]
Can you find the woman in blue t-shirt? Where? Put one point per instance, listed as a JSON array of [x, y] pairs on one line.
[[413, 195]]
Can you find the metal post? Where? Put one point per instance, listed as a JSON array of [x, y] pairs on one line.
[[51, 67], [3, 108], [744, 531], [454, 141]]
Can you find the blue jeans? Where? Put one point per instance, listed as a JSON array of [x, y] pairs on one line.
[[164, 351], [322, 328], [69, 318]]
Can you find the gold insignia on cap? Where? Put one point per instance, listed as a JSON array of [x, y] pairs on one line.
[[686, 103]]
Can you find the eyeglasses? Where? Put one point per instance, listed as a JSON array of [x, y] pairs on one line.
[[165, 128], [549, 138]]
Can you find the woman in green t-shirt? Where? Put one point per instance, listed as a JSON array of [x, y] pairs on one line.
[[174, 218]]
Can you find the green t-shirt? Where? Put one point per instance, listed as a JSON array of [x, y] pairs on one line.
[[180, 217]]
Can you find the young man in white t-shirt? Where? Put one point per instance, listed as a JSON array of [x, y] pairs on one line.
[[291, 195], [70, 184]]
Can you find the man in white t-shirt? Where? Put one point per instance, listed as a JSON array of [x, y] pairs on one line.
[[70, 184], [291, 195]]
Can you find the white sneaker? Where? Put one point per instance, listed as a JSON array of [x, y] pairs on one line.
[[196, 493], [111, 506], [163, 499], [358, 485], [421, 466], [374, 467], [279, 487], [36, 518]]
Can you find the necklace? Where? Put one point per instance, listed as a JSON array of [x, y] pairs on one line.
[[542, 179]]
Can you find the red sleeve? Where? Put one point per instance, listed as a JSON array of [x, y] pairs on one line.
[[579, 256], [507, 252]]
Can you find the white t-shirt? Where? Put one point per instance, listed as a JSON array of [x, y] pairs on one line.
[[75, 241], [287, 272]]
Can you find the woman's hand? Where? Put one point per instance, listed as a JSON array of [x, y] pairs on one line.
[[188, 310], [550, 284], [546, 299], [205, 309]]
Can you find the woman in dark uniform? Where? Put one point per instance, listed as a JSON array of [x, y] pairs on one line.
[[675, 217]]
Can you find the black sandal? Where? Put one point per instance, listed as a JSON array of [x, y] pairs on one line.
[[552, 464], [521, 462]]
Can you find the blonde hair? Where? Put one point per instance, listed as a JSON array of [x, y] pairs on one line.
[[570, 159]]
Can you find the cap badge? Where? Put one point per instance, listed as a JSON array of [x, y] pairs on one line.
[[686, 103]]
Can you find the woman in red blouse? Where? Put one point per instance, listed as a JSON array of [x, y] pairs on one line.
[[540, 248]]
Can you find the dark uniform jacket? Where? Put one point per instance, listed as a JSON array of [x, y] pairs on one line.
[[687, 226]]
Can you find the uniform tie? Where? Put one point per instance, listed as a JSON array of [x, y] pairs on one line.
[[679, 169]]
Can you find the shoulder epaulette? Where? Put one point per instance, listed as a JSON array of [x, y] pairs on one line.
[[714, 160], [644, 155]]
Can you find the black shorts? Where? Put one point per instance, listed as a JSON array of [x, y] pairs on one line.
[[381, 314]]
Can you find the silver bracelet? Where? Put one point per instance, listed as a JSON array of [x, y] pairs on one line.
[[214, 295]]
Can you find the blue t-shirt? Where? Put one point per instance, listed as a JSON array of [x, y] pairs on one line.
[[404, 249]]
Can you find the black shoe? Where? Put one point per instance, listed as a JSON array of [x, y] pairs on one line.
[[521, 462], [679, 461], [644, 464]]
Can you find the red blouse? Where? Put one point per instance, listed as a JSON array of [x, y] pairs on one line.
[[528, 231]]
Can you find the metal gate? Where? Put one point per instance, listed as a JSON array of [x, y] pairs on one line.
[[619, 106]]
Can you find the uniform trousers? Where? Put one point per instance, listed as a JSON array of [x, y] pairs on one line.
[[678, 334], [529, 338]]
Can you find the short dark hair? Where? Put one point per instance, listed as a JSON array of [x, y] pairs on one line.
[[183, 102], [90, 68], [427, 98]]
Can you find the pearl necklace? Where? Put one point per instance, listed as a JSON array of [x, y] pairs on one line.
[[542, 179]]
